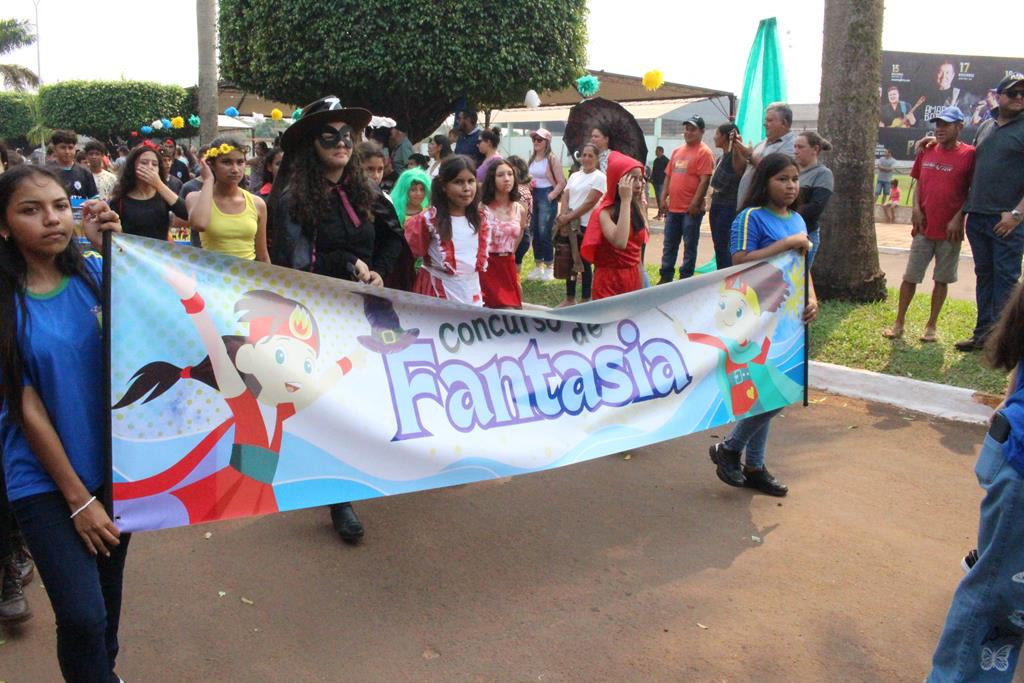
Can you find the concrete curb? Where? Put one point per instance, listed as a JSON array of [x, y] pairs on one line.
[[939, 400]]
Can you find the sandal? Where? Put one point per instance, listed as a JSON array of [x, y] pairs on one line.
[[929, 336], [894, 332]]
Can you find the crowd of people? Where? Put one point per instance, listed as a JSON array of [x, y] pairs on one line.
[[331, 199]]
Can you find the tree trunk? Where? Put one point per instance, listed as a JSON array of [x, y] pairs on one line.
[[847, 267], [206, 93]]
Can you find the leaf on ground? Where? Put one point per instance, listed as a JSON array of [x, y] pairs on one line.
[[430, 653], [702, 626], [247, 601], [851, 427], [208, 535], [755, 539], [221, 594]]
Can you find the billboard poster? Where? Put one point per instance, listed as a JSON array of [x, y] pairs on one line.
[[916, 86]]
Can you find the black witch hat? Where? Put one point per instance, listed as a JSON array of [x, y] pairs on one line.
[[386, 333]]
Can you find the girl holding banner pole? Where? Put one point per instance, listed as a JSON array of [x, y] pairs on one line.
[[767, 225], [52, 419]]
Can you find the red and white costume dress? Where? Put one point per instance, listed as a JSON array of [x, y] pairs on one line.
[[500, 282], [451, 268]]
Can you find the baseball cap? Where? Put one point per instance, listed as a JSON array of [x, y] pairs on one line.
[[695, 121], [541, 133], [949, 115], [1008, 82]]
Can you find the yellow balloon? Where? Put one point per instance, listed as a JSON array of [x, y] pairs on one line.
[[276, 114]]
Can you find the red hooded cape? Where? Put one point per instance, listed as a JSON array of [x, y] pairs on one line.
[[596, 248]]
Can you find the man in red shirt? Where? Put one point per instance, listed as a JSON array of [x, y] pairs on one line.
[[682, 199], [943, 174]]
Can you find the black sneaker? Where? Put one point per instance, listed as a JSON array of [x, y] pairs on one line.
[[727, 464], [13, 604], [968, 345], [763, 481], [24, 565], [346, 523], [970, 559]]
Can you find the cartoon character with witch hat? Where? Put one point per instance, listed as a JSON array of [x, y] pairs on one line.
[[276, 364], [748, 383], [386, 333]]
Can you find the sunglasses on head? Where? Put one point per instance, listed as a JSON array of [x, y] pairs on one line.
[[330, 137]]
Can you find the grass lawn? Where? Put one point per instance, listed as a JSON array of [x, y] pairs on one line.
[[851, 335]]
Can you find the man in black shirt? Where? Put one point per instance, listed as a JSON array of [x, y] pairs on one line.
[[77, 179], [179, 169], [658, 176]]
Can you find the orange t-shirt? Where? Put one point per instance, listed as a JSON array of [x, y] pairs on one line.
[[685, 169]]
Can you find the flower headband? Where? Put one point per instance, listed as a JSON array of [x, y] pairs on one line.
[[224, 148]]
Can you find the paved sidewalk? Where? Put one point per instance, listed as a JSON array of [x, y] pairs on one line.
[[646, 569]]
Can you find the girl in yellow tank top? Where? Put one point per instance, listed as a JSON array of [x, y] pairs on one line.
[[230, 220]]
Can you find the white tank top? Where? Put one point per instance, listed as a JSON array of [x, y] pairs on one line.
[[540, 171]]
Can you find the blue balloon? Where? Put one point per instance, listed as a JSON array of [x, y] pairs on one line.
[[167, 123], [146, 130], [230, 111]]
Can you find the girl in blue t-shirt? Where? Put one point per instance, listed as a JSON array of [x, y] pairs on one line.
[[52, 412], [768, 225]]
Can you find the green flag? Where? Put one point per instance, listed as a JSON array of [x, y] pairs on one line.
[[764, 81]]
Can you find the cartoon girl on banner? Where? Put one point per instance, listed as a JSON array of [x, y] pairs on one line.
[[749, 384], [275, 364]]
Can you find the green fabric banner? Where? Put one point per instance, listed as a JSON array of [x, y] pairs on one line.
[[764, 81]]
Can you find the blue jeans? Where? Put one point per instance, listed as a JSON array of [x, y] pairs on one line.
[[815, 237], [542, 220], [85, 591], [985, 625], [996, 267], [751, 435], [680, 226], [721, 218], [882, 188]]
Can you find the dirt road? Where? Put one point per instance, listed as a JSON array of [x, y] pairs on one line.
[[639, 569]]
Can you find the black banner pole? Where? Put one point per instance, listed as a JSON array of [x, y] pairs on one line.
[[108, 467], [807, 338]]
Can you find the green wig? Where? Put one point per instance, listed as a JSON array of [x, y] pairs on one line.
[[400, 193]]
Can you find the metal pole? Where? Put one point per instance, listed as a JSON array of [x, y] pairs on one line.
[[39, 63]]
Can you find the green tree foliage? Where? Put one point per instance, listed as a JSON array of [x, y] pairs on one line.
[[15, 115], [15, 34], [411, 62], [109, 109]]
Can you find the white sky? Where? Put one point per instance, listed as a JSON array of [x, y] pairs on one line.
[[707, 47]]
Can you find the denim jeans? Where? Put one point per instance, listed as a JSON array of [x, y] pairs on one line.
[[721, 218], [984, 629], [524, 243], [751, 435], [680, 226], [542, 220], [996, 267], [882, 188], [85, 591], [815, 237]]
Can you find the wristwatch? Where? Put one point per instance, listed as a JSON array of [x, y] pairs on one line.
[[1017, 215]]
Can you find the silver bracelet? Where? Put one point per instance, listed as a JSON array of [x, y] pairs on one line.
[[87, 504]]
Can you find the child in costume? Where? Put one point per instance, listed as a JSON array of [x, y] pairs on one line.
[[768, 225], [276, 364], [411, 196], [52, 413], [617, 230], [500, 196], [451, 236]]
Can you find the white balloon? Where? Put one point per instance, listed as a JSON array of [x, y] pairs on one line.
[[258, 117], [532, 99], [157, 125]]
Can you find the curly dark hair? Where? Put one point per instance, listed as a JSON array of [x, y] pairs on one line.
[[308, 188]]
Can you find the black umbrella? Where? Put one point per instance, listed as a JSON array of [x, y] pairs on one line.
[[626, 136]]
